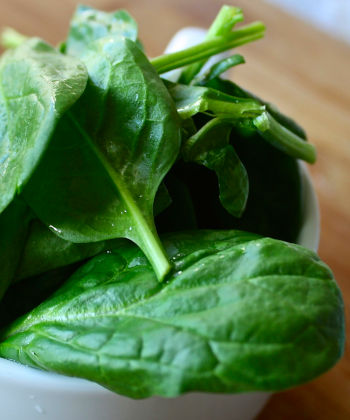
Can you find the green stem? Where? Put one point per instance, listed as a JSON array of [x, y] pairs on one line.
[[206, 49], [11, 38], [147, 238], [223, 24], [283, 139], [218, 68]]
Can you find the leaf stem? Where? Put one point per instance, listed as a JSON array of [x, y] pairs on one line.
[[225, 20], [208, 48], [283, 139], [11, 38], [147, 239]]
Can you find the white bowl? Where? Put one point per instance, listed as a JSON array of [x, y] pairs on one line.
[[31, 394]]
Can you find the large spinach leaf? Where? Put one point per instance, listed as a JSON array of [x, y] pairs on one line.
[[241, 313], [110, 154], [37, 85]]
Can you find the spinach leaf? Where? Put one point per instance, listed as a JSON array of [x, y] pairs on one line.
[[180, 215], [44, 251], [24, 296], [241, 313], [274, 205], [14, 223], [190, 100], [276, 128], [110, 154], [231, 88], [210, 147], [89, 25], [37, 85]]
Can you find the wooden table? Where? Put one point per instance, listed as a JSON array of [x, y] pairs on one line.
[[308, 75]]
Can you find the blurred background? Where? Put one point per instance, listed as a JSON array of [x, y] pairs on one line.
[[332, 16], [303, 65]]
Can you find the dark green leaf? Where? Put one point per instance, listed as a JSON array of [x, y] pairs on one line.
[[242, 313], [110, 154], [180, 215], [37, 85], [274, 206], [22, 297], [210, 147], [46, 251], [14, 223]]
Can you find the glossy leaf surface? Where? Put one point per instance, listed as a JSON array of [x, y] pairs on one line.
[[37, 85], [190, 100], [241, 313], [109, 156], [44, 251]]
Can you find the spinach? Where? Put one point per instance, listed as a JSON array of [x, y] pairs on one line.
[[191, 100], [98, 148], [220, 67], [89, 25], [246, 112], [14, 223], [37, 85], [180, 214], [272, 199], [222, 25], [283, 139], [22, 297], [231, 88], [109, 154], [208, 48], [45, 251], [240, 313], [210, 147]]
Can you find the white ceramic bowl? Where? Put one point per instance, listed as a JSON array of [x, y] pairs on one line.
[[31, 394]]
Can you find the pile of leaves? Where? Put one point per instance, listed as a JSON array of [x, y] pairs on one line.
[[98, 157]]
